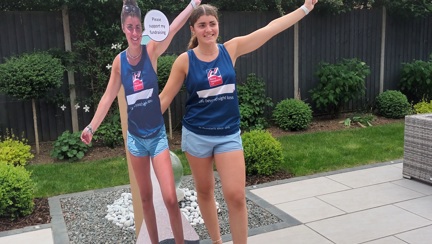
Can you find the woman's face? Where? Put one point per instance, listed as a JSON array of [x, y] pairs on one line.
[[206, 29], [133, 30]]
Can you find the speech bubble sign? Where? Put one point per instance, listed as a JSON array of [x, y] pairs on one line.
[[156, 27]]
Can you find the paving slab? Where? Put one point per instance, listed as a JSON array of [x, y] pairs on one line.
[[415, 185], [368, 225], [418, 236], [420, 206], [386, 240], [310, 209], [367, 177], [294, 235], [369, 197], [42, 236], [299, 190]]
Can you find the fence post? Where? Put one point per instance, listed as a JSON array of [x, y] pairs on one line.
[[296, 62], [383, 38], [71, 77]]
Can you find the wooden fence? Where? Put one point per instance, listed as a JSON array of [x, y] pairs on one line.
[[287, 62]]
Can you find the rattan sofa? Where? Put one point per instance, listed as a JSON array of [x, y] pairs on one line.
[[417, 161]]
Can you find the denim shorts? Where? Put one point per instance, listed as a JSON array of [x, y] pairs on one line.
[[140, 147], [204, 146]]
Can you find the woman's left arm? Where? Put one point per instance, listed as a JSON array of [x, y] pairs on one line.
[[245, 44], [158, 48]]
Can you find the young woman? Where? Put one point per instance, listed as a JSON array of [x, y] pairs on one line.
[[211, 125], [135, 68]]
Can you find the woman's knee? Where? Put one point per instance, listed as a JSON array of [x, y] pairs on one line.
[[171, 202], [235, 199], [206, 194]]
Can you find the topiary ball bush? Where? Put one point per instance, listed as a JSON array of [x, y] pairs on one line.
[[16, 191], [393, 104], [292, 114], [263, 153]]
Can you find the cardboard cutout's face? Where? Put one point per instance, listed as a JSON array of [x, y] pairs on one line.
[[133, 30]]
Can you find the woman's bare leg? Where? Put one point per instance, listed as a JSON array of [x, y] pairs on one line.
[[141, 168], [202, 172], [231, 169], [165, 175]]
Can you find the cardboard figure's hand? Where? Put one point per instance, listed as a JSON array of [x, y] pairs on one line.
[[86, 135]]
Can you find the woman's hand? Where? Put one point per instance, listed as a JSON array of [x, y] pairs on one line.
[[310, 4], [195, 3]]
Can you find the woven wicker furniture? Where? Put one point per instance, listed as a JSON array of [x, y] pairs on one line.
[[417, 161]]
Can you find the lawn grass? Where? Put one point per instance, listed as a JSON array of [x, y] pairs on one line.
[[312, 153], [61, 178], [69, 177], [304, 154]]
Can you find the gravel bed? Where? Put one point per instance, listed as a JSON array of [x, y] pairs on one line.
[[85, 220]]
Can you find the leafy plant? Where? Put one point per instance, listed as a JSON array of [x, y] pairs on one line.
[[393, 104], [69, 146], [16, 191], [416, 80], [423, 107], [110, 131], [263, 153], [339, 83], [253, 102], [15, 150], [29, 77], [292, 114], [361, 120]]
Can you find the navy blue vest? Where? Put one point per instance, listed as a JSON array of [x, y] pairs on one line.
[[142, 96], [212, 107]]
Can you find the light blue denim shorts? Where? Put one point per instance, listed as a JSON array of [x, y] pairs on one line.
[[140, 147], [203, 146]]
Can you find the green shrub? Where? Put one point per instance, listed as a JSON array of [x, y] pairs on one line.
[[263, 153], [14, 150], [164, 65], [393, 104], [423, 107], [16, 191], [253, 102], [30, 75], [110, 131], [416, 80], [292, 114], [339, 83], [69, 146]]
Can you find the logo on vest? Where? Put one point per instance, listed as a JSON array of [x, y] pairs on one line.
[[214, 77], [138, 84]]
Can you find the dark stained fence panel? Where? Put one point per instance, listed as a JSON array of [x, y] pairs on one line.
[[405, 41], [25, 32], [330, 39]]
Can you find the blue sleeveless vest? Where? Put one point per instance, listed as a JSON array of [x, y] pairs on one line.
[[142, 96], [212, 107]]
